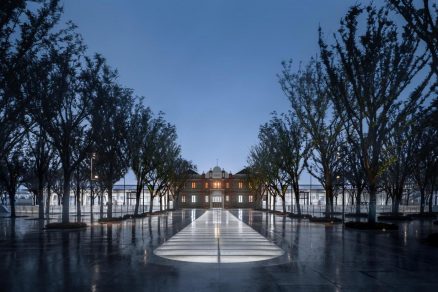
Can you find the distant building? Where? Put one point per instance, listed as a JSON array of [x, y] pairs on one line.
[[217, 189]]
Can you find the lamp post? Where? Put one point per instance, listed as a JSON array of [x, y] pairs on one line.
[[93, 177]]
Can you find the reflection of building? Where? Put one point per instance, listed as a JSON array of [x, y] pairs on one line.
[[217, 189]]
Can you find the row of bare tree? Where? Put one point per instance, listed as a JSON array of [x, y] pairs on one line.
[[363, 113], [61, 108]]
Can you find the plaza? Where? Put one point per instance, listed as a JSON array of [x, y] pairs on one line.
[[128, 256]]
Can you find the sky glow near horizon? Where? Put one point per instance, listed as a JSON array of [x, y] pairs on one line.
[[210, 66]]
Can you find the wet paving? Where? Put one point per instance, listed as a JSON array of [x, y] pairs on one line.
[[218, 237], [120, 257]]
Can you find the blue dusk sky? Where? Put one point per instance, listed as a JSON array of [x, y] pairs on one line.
[[210, 65]]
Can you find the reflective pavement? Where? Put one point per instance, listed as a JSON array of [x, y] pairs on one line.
[[120, 257], [218, 237]]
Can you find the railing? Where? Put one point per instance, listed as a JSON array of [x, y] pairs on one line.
[[118, 210], [319, 210]]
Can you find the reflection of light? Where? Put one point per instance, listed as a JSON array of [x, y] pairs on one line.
[[217, 231]]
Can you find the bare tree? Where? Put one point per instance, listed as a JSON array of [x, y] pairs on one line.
[[293, 149], [163, 154], [398, 152], [63, 111], [140, 143], [110, 115], [368, 75], [181, 173], [23, 32], [11, 174], [423, 20], [39, 156], [311, 103]]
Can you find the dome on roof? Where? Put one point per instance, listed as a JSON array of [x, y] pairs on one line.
[[217, 169]]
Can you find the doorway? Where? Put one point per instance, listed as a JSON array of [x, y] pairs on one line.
[[217, 199]]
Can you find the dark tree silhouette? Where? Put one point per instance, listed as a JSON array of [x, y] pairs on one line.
[[110, 118], [311, 102], [181, 173], [423, 20], [368, 74], [11, 174]]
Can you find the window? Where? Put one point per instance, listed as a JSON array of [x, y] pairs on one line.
[[227, 198], [193, 199], [193, 185], [240, 199], [240, 185], [183, 199], [206, 199], [206, 185], [228, 185], [216, 185], [250, 199]]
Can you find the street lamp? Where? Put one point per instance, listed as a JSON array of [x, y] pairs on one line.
[[93, 176]]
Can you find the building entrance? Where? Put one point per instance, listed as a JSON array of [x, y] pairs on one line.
[[217, 199]]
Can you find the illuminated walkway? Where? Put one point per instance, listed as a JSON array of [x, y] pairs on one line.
[[218, 237]]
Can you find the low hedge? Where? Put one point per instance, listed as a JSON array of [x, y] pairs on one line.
[[298, 216], [325, 220], [356, 215], [371, 226], [110, 220], [423, 216], [394, 217], [70, 225]]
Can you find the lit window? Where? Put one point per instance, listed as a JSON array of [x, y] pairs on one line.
[[228, 185], [183, 199], [240, 185], [240, 199], [227, 198], [193, 185], [193, 199], [250, 199], [206, 185], [206, 199]]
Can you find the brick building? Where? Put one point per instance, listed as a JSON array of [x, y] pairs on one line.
[[217, 189]]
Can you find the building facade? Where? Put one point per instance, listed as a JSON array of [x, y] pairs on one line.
[[217, 189]]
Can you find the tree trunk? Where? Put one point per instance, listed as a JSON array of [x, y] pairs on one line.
[[101, 205], [66, 199], [151, 202], [283, 199], [40, 201], [372, 211], [161, 202], [329, 202], [78, 201], [297, 198], [176, 202], [137, 202], [431, 201], [275, 200], [395, 205], [12, 203], [422, 200], [48, 201], [358, 201], [91, 204], [110, 202]]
